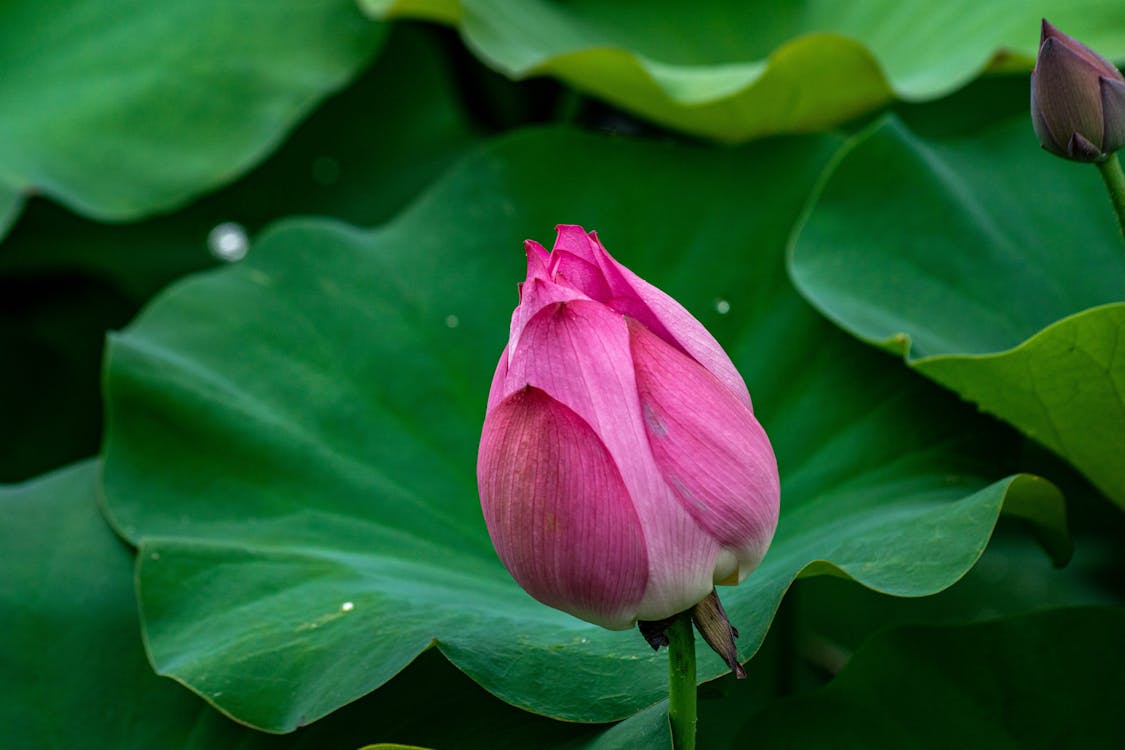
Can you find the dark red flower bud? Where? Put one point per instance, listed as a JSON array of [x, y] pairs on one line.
[[1077, 99]]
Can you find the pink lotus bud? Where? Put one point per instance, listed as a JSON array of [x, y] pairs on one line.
[[621, 470], [1077, 99]]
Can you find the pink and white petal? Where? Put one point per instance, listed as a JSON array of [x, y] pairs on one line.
[[558, 511], [667, 318], [709, 447], [578, 352]]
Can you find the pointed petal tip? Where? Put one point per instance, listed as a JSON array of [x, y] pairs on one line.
[[713, 624], [1080, 148], [573, 239], [1046, 30], [531, 247]]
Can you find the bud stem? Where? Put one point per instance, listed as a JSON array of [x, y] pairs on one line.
[[681, 682], [1115, 183]]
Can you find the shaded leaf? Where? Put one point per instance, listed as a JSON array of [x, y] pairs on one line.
[[734, 71], [1065, 387], [65, 280], [1045, 680], [68, 601], [11, 203], [291, 441], [51, 333], [121, 109], [976, 261]]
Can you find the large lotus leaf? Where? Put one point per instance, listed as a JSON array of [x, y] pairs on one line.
[[1012, 577], [291, 441], [64, 280], [1046, 680], [73, 671], [347, 160], [738, 70], [993, 266], [119, 109]]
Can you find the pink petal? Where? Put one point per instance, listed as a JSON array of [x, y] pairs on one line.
[[573, 239], [538, 259], [668, 319], [574, 272], [496, 390], [578, 352], [558, 511], [710, 449], [535, 294]]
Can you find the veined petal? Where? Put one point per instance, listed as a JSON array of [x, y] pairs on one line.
[[538, 260], [1096, 62], [1113, 113], [558, 511], [578, 353], [573, 239], [1042, 132], [535, 294], [573, 271], [709, 447], [667, 318], [1067, 93], [496, 389]]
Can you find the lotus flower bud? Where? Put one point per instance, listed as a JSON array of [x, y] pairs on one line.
[[1077, 99], [621, 470]]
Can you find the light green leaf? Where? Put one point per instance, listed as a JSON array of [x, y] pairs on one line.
[[73, 671], [292, 441], [119, 109], [1065, 387], [734, 71], [1045, 680], [996, 269]]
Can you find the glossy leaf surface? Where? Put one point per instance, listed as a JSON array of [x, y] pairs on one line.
[[977, 261], [300, 478], [120, 109], [734, 71]]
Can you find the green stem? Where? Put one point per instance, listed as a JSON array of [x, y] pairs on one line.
[[681, 682], [1115, 183]]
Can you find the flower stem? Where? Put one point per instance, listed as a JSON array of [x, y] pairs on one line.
[[1115, 183], [681, 682]]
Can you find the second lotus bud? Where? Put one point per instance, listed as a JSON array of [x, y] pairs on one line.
[[1077, 99]]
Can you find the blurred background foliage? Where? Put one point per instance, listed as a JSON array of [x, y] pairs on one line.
[[130, 132]]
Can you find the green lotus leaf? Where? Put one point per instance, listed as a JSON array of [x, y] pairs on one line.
[[734, 71], [65, 280], [74, 670], [291, 440], [1034, 681], [126, 108], [996, 269]]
